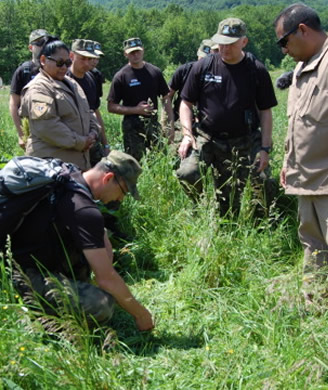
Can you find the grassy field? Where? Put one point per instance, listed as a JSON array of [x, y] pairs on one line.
[[225, 295]]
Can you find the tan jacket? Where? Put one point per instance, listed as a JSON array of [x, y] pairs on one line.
[[59, 119], [306, 159]]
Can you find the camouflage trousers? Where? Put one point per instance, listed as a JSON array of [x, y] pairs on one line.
[[232, 162], [57, 292], [139, 134]]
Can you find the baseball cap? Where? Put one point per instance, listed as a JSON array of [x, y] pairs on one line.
[[204, 48], [84, 47], [37, 34], [229, 31], [97, 47], [132, 44], [127, 167]]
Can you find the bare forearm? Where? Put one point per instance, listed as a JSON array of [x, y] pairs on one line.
[[14, 103], [266, 127], [122, 110], [186, 118]]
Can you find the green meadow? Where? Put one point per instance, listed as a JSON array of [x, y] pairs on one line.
[[225, 295]]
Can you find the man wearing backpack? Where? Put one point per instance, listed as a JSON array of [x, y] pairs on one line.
[[234, 95], [66, 239], [24, 74]]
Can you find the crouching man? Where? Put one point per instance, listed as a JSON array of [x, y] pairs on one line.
[[67, 240]]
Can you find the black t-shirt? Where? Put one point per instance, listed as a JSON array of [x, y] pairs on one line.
[[177, 82], [75, 217], [89, 86], [100, 80], [225, 92], [23, 75], [132, 85]]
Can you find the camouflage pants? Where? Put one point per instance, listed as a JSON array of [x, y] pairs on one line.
[[232, 163], [56, 292], [140, 134]]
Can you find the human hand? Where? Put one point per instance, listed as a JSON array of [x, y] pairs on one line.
[[144, 321], [263, 161], [283, 177], [90, 141], [186, 143], [143, 108], [21, 143]]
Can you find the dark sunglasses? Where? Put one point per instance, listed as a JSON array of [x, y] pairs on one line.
[[282, 42], [60, 63]]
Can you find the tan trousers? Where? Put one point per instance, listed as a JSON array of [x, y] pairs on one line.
[[313, 231]]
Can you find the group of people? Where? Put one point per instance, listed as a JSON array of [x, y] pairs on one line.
[[225, 112]]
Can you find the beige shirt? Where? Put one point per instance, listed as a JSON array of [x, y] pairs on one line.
[[306, 159], [59, 119]]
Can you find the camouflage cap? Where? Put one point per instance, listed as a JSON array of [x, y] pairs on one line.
[[84, 47], [97, 47], [204, 48], [229, 31], [127, 167], [37, 34], [132, 44]]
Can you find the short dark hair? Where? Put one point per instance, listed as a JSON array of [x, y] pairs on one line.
[[51, 45], [298, 13]]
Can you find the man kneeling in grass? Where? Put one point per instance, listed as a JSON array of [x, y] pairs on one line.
[[68, 239]]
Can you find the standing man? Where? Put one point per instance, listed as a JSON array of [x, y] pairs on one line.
[[23, 74], [82, 56], [68, 240], [179, 77], [234, 95], [305, 169], [138, 85]]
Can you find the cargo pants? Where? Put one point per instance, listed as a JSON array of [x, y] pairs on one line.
[[232, 162], [57, 291], [140, 133]]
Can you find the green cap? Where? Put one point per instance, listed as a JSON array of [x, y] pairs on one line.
[[230, 30], [127, 167], [84, 47], [37, 34], [132, 44], [204, 48], [98, 49]]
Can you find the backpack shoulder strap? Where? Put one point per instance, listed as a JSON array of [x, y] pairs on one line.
[[251, 63]]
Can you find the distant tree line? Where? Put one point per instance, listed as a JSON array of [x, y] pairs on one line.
[[171, 35]]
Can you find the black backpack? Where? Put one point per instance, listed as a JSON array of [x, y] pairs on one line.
[[25, 182]]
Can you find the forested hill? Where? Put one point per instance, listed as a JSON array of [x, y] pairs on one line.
[[201, 4]]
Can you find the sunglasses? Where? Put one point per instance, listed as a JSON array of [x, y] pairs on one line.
[[60, 63], [283, 41]]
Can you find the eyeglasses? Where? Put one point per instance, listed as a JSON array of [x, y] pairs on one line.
[[60, 63], [283, 41], [122, 189]]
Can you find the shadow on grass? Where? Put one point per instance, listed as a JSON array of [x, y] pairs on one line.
[[150, 343]]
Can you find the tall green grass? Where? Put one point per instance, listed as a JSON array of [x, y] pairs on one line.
[[225, 295]]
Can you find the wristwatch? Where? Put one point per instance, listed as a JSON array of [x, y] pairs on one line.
[[267, 149]]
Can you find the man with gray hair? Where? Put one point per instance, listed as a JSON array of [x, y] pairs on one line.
[[24, 74], [69, 239], [305, 168]]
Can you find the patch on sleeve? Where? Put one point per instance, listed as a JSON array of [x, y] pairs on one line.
[[41, 105], [39, 109]]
